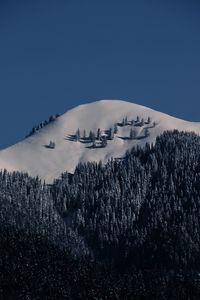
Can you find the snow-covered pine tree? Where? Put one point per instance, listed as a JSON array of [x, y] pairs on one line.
[[52, 145], [104, 142], [110, 134]]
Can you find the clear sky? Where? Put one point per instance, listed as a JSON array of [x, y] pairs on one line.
[[58, 54]]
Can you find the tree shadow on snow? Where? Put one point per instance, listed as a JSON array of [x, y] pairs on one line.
[[71, 138], [48, 147], [125, 138], [85, 140]]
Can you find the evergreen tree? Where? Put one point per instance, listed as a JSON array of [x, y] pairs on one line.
[[52, 145], [133, 133], [78, 135], [84, 134], [110, 134], [115, 128], [104, 142], [92, 136], [98, 134], [148, 120], [138, 214], [52, 118]]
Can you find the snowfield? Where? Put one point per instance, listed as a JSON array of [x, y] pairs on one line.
[[33, 156]]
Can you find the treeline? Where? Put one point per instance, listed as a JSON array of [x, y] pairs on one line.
[[42, 124], [144, 209], [136, 219], [27, 205]]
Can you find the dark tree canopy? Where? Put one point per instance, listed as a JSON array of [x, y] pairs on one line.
[[138, 218]]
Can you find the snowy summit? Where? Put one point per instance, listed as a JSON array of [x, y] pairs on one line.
[[90, 132]]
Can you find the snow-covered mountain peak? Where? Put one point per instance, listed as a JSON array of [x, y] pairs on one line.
[[90, 132]]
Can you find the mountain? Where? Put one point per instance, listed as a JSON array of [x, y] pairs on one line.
[[37, 156]]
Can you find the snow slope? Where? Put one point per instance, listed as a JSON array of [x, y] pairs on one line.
[[31, 155]]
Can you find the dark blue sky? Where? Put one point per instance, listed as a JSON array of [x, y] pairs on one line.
[[57, 54]]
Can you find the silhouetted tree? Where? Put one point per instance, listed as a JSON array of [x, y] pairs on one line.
[[78, 135], [52, 145], [115, 129], [84, 134], [98, 134], [148, 120], [92, 136], [110, 134]]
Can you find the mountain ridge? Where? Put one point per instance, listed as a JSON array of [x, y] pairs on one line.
[[34, 156]]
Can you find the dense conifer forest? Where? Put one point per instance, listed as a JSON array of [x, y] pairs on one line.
[[129, 229]]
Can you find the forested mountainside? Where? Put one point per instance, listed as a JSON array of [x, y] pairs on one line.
[[130, 227]]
